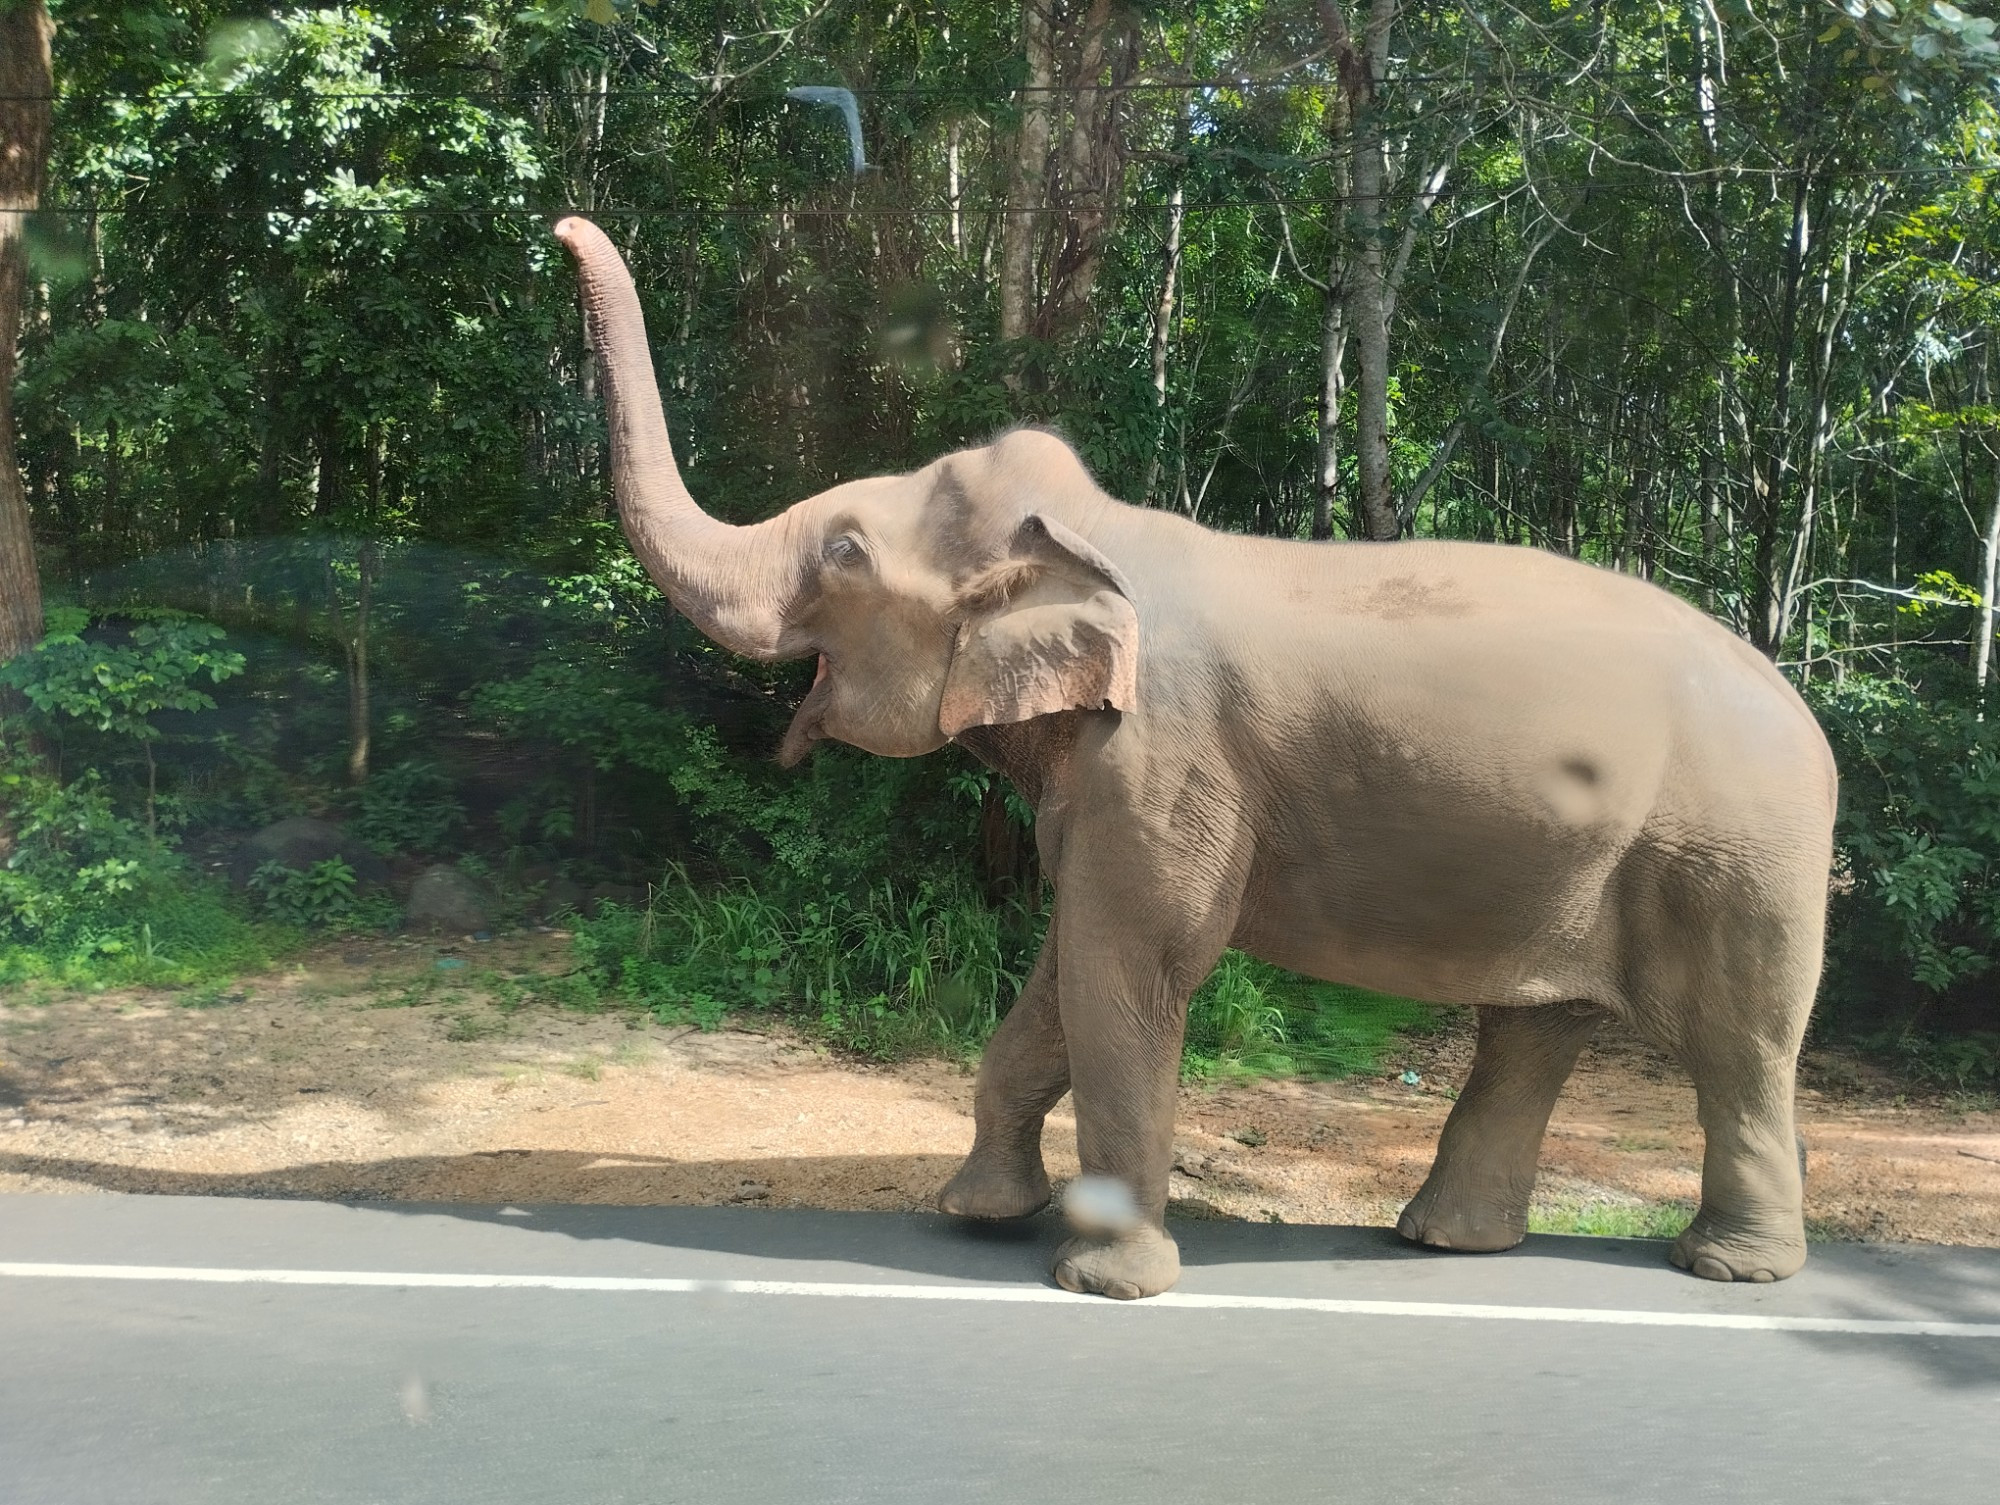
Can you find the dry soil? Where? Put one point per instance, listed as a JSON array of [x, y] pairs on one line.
[[367, 1071]]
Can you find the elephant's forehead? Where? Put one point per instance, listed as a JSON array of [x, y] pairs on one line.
[[865, 501]]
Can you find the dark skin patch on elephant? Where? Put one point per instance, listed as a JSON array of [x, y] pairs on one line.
[[1029, 754], [1404, 598]]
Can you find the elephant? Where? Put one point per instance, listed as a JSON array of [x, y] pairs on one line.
[[1474, 774]]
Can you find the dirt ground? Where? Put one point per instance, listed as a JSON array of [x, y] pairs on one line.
[[367, 1071]]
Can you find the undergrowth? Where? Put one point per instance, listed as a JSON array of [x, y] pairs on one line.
[[1964, 1064], [170, 933], [88, 898], [889, 973], [1253, 1019], [931, 967]]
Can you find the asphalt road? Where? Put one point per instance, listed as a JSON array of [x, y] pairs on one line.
[[211, 1351]]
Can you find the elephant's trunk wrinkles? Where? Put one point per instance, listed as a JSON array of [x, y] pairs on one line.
[[732, 582]]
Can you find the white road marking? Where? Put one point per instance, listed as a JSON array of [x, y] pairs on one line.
[[1042, 1295]]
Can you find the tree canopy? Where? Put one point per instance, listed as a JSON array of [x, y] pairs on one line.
[[1705, 292]]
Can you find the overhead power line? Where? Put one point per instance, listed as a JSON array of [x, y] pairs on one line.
[[701, 88], [1640, 182]]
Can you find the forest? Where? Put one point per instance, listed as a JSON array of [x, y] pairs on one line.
[[304, 513]]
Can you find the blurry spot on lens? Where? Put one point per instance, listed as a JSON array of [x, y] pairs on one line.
[[238, 43], [915, 329], [1100, 1206], [416, 1399]]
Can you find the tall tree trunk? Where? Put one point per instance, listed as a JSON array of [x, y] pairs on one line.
[[1362, 65], [1027, 182], [1772, 461], [359, 721], [330, 481], [1711, 518], [1163, 329], [1720, 512], [1092, 164], [1332, 392], [354, 651], [27, 86]]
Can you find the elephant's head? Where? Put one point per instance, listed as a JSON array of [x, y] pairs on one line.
[[951, 598]]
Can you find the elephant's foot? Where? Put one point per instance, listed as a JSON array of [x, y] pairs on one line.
[[1710, 1250], [1143, 1262], [1443, 1219], [996, 1186]]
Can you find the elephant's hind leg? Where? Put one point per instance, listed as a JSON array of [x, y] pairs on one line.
[[1023, 1074], [1751, 1222], [1736, 1024], [1476, 1196]]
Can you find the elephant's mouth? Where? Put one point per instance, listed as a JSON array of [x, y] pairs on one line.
[[805, 727]]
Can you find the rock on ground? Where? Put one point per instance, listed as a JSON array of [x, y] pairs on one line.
[[445, 899]]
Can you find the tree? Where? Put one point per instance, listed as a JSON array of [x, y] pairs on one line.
[[27, 89], [116, 686]]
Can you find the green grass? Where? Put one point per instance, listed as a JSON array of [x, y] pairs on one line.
[[172, 935], [1659, 1220], [931, 968], [1253, 1019], [1636, 1144], [219, 993], [893, 972], [1655, 1220], [468, 1027]]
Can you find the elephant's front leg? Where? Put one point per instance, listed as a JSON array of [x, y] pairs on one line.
[[1022, 1075], [1124, 1010]]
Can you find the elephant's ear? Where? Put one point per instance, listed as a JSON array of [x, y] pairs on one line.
[[1049, 628]]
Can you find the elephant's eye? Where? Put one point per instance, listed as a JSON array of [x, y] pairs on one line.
[[844, 550]]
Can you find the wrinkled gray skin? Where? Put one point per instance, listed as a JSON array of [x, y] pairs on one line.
[[1467, 773]]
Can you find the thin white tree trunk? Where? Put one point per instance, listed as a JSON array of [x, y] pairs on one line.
[[1163, 329], [1332, 392], [952, 188], [1982, 657]]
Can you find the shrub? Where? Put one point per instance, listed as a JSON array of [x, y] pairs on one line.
[[1959, 1063], [320, 895], [844, 821], [931, 966], [1251, 1018], [115, 685], [86, 897], [927, 966], [410, 807], [1916, 911]]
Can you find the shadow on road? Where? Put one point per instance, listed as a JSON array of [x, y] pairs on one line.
[[655, 1204], [587, 1195]]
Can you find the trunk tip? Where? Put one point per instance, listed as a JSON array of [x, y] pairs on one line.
[[572, 229]]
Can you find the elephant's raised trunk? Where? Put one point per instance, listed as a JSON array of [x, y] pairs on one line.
[[732, 583]]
